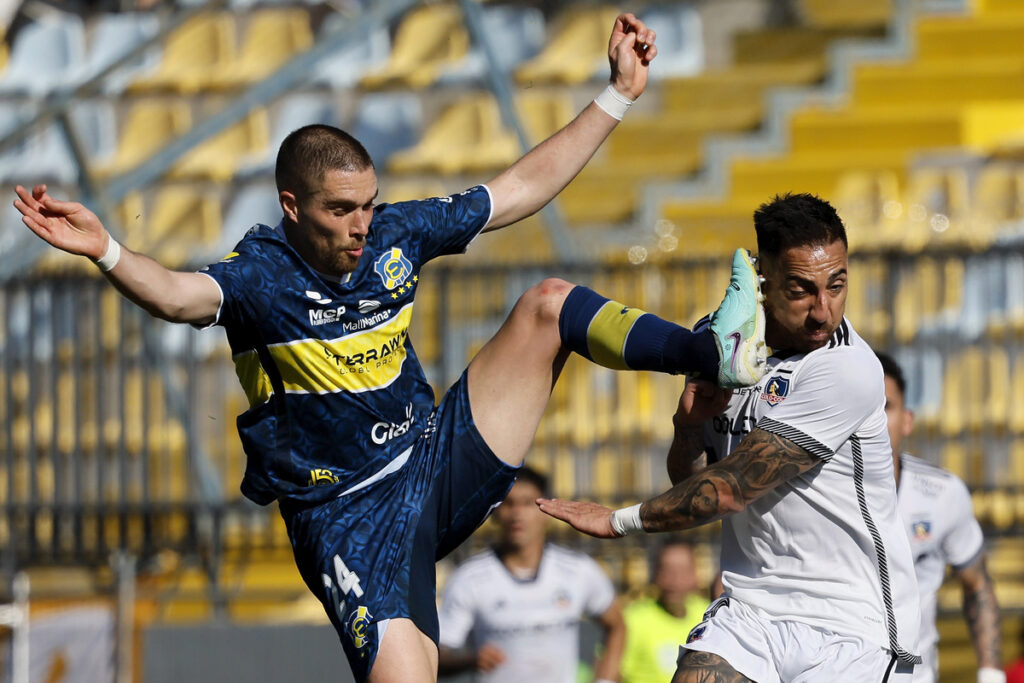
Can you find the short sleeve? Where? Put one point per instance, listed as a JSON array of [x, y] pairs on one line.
[[828, 398], [456, 612], [598, 590], [965, 538], [446, 225], [245, 280]]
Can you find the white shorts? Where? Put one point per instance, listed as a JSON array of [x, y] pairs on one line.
[[771, 651]]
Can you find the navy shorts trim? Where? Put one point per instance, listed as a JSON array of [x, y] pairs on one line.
[[370, 555]]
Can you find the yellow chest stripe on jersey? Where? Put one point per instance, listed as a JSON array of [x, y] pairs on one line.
[[358, 362]]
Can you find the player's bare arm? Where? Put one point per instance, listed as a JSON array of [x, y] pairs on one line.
[[530, 183], [762, 462], [614, 625], [163, 293], [698, 402], [705, 667], [981, 612]]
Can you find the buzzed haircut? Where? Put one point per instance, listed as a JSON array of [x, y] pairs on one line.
[[796, 220], [658, 551], [528, 475], [893, 370], [307, 154]]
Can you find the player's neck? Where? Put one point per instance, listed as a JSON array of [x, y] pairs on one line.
[[676, 608], [525, 558]]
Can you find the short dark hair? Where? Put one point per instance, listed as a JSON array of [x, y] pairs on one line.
[[892, 369], [796, 220], [308, 153], [659, 550], [529, 475]]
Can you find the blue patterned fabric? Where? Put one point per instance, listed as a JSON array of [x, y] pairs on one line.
[[369, 556], [334, 385]]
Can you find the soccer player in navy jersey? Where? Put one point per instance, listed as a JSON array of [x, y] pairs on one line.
[[374, 481]]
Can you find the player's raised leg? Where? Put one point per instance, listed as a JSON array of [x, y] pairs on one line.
[[510, 380]]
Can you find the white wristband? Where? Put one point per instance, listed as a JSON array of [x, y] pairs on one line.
[[627, 520], [989, 675], [613, 103], [111, 257]]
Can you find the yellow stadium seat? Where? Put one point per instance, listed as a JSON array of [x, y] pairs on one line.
[[979, 37], [838, 14], [178, 221], [734, 96], [192, 55], [148, 126], [861, 198], [428, 39], [218, 158], [577, 50], [451, 141], [998, 195], [272, 37], [938, 82]]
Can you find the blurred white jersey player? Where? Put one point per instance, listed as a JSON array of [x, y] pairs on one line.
[[938, 517], [512, 613]]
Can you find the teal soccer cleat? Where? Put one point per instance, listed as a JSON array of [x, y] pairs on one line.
[[738, 327]]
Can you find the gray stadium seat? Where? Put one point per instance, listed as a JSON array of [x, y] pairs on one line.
[[680, 40], [294, 112], [254, 203], [346, 66], [516, 34], [387, 122], [46, 55], [114, 35]]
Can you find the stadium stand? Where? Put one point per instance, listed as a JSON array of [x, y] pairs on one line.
[[132, 422]]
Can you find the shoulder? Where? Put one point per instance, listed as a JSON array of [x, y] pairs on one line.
[[847, 361], [476, 566], [931, 480], [572, 560]]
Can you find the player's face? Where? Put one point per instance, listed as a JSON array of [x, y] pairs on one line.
[[521, 521], [805, 295], [675, 576], [333, 220], [901, 420]]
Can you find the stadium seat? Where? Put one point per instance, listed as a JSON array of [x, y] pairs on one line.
[[343, 68], [42, 155], [192, 56], [148, 126], [253, 203], [428, 39], [998, 195], [577, 50], [272, 37], [95, 127], [387, 122], [450, 144], [292, 113], [934, 83], [846, 14], [969, 38], [218, 157], [515, 34], [174, 227], [47, 54], [680, 40], [111, 37]]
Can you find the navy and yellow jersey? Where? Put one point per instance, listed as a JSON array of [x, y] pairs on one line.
[[335, 390]]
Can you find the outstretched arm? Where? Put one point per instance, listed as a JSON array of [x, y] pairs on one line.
[[167, 294], [981, 612], [530, 183], [762, 462]]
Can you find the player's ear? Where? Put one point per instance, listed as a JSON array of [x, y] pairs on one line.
[[290, 205], [908, 421]]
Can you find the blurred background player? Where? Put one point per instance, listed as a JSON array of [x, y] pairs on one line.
[[656, 625], [819, 581], [935, 508], [512, 613]]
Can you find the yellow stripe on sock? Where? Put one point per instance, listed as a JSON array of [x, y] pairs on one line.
[[606, 335]]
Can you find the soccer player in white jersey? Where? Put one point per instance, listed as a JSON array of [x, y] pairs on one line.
[[935, 508], [512, 613], [818, 575]]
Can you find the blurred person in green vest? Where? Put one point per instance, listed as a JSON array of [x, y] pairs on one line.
[[656, 626]]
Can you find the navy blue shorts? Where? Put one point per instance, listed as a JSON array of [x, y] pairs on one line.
[[369, 555]]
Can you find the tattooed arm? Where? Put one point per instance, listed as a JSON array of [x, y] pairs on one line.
[[981, 612], [699, 402], [759, 464]]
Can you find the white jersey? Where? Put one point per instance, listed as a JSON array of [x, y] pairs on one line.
[[938, 517], [825, 548], [535, 622]]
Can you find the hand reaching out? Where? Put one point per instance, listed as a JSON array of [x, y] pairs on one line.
[[630, 51], [66, 225], [590, 518]]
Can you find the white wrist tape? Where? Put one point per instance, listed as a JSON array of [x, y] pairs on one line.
[[111, 257], [627, 520], [988, 675], [613, 103]]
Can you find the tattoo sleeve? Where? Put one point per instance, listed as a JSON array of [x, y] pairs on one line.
[[981, 612], [686, 454], [760, 463]]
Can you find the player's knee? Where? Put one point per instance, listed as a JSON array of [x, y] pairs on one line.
[[543, 302]]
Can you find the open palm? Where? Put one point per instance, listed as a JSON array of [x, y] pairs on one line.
[[66, 225]]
